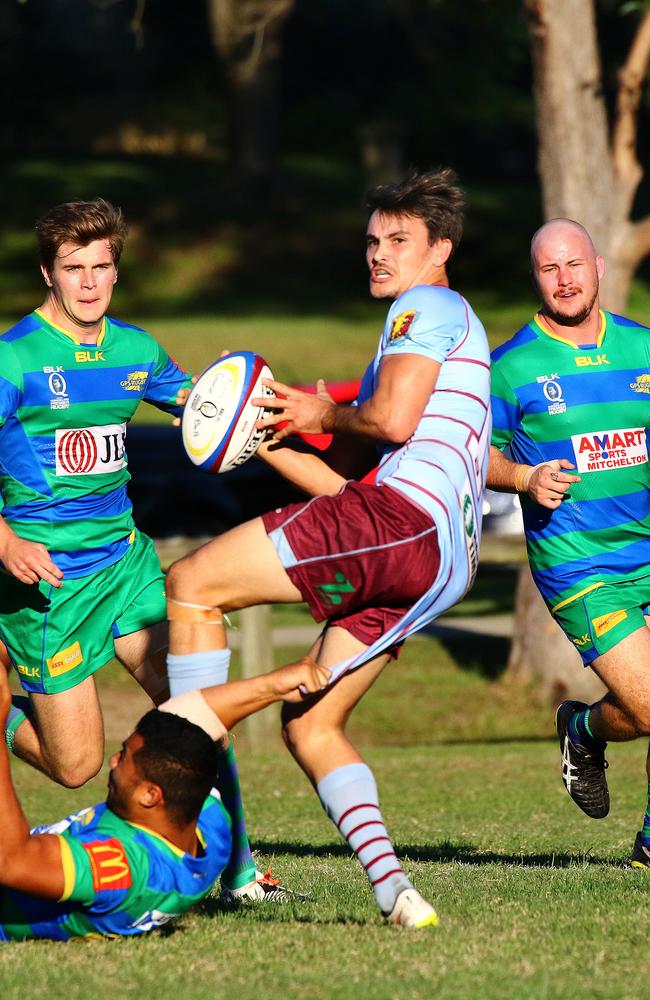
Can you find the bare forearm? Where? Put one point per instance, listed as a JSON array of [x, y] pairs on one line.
[[14, 831], [503, 473], [236, 700], [306, 471], [547, 483], [292, 682]]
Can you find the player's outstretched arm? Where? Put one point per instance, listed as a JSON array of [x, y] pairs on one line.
[[28, 561], [547, 483], [30, 863], [304, 469], [238, 699], [392, 413]]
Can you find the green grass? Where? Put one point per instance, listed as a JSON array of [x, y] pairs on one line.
[[533, 901]]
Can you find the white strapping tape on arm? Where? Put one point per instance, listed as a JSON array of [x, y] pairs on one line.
[[193, 707]]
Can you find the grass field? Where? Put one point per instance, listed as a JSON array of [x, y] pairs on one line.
[[533, 900]]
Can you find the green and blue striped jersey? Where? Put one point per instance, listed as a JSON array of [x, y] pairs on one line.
[[121, 879], [64, 411], [553, 399]]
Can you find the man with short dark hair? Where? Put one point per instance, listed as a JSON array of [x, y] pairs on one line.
[[571, 398], [81, 583], [158, 843], [376, 561]]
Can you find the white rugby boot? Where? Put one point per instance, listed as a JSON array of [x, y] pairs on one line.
[[411, 910]]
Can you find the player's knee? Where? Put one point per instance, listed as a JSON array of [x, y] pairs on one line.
[[639, 715], [177, 578], [303, 737], [74, 773]]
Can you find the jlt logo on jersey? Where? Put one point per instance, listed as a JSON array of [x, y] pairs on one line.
[[82, 356], [87, 451], [553, 392], [605, 450], [588, 362]]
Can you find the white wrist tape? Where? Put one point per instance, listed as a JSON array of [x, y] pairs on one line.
[[192, 706]]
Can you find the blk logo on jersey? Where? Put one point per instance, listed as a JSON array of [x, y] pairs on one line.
[[85, 356], [589, 362], [605, 450], [88, 451]]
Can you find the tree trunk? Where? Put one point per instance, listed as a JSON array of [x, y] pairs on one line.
[[247, 35], [587, 176], [584, 175], [542, 656]]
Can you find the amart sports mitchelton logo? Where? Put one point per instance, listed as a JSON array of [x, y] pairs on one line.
[[82, 451], [605, 450]]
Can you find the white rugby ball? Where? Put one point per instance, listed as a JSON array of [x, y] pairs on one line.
[[218, 425]]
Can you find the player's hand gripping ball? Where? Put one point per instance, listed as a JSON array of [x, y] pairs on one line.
[[219, 420]]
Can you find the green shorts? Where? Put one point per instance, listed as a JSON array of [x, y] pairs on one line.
[[58, 636], [599, 617]]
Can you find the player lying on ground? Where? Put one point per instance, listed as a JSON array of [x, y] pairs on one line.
[[377, 561], [82, 583], [571, 398], [157, 844]]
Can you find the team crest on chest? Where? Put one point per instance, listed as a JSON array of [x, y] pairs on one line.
[[552, 392], [59, 399], [402, 324]]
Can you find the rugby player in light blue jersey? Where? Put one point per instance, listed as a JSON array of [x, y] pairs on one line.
[[571, 396], [157, 844], [376, 561]]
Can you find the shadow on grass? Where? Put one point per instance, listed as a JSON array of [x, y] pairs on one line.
[[462, 853], [470, 649]]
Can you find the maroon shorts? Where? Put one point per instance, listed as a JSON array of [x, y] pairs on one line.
[[360, 559]]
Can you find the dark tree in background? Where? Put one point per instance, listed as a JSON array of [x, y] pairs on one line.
[[247, 36]]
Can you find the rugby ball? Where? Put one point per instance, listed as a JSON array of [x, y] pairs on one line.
[[218, 425]]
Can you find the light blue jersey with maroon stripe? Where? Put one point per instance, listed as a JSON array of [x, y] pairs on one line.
[[442, 466]]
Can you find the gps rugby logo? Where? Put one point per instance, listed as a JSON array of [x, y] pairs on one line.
[[642, 384], [605, 450], [82, 451]]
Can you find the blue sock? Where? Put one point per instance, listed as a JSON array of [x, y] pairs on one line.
[[188, 671], [645, 829], [349, 796], [580, 733], [20, 710]]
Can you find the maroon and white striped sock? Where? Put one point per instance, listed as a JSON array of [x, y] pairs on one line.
[[349, 797]]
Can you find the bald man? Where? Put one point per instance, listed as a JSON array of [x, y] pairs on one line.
[[571, 403]]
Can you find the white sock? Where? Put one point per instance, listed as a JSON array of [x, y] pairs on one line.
[[188, 671], [349, 797]]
